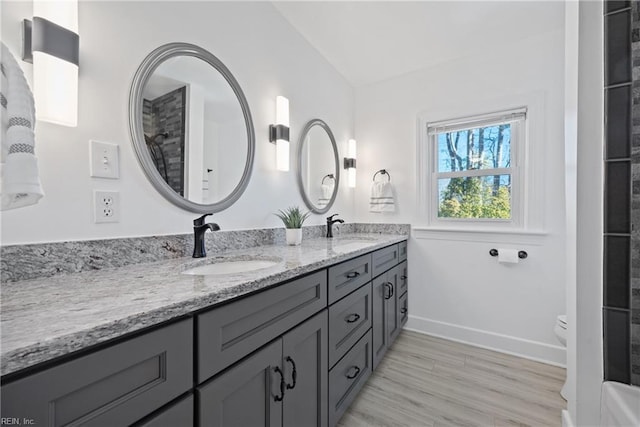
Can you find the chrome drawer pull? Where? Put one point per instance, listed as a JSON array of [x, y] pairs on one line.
[[355, 374], [353, 317], [403, 310], [352, 275], [403, 277]]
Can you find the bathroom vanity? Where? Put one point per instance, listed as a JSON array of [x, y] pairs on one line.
[[289, 345]]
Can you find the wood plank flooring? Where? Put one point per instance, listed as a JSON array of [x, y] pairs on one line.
[[428, 381]]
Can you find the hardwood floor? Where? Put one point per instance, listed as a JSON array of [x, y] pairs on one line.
[[428, 381]]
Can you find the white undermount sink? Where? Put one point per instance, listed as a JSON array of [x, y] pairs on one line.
[[230, 267]]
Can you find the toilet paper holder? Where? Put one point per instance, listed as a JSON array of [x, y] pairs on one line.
[[521, 254]]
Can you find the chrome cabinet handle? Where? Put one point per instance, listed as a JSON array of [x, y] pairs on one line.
[[403, 310], [294, 374], [355, 373], [353, 275], [353, 317], [403, 277], [276, 397]]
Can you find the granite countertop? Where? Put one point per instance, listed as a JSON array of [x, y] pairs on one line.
[[42, 319]]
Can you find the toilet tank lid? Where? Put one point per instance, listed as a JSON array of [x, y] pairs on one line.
[[562, 318]]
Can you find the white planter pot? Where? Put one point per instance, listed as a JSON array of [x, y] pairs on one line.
[[294, 236]]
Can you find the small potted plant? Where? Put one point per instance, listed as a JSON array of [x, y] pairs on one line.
[[293, 218]]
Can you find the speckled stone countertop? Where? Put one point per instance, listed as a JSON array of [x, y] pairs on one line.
[[45, 318]]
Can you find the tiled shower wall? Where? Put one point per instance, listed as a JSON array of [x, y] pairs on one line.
[[621, 293], [166, 113]]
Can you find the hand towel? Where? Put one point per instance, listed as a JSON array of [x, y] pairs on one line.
[[20, 177], [382, 199], [326, 191]]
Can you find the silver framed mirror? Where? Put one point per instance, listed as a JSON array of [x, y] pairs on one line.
[[318, 166], [191, 128]]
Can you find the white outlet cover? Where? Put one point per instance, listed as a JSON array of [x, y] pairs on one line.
[[104, 160], [106, 206]]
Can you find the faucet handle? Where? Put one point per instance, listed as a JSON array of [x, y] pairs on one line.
[[330, 218], [200, 220]]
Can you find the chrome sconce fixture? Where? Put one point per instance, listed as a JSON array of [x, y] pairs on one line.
[[51, 42], [279, 133], [350, 163]]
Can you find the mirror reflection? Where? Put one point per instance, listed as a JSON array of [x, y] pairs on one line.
[[194, 129], [318, 166]]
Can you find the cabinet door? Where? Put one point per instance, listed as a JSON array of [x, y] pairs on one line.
[[380, 291], [305, 366], [248, 394], [114, 386], [392, 307]]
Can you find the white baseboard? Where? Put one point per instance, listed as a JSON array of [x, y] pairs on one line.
[[540, 352], [566, 419]]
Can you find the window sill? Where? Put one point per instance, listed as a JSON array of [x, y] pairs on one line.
[[529, 237]]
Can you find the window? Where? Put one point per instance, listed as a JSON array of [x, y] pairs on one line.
[[476, 169]]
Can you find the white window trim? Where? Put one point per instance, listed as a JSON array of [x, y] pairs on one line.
[[530, 199]]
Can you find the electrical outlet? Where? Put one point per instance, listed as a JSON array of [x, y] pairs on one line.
[[106, 206]]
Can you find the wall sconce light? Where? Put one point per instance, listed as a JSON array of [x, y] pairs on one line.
[[279, 133], [52, 44], [350, 163]]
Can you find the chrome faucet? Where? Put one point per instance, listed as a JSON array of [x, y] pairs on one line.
[[199, 228], [330, 222]]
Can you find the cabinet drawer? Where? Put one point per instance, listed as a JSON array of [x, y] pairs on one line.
[[402, 251], [228, 333], [347, 378], [349, 319], [403, 309], [384, 259], [403, 279], [114, 386], [178, 414], [347, 277]]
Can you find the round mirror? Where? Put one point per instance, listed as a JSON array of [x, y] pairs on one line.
[[191, 128], [318, 166]]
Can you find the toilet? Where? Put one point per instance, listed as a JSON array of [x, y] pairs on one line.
[[561, 333]]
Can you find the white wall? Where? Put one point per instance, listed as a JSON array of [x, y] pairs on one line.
[[265, 54], [588, 300], [458, 290]]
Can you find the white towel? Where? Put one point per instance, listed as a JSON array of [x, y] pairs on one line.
[[326, 192], [382, 199], [20, 178]]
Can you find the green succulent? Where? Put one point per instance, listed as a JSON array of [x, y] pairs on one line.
[[292, 217]]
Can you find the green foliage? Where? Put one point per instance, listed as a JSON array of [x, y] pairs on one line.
[[292, 217], [473, 198]]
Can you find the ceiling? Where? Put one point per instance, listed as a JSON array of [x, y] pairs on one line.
[[370, 41]]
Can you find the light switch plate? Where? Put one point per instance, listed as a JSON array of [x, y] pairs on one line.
[[104, 160]]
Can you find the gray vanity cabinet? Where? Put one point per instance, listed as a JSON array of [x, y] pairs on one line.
[[282, 384], [115, 386], [177, 414], [386, 323], [228, 333], [248, 394]]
